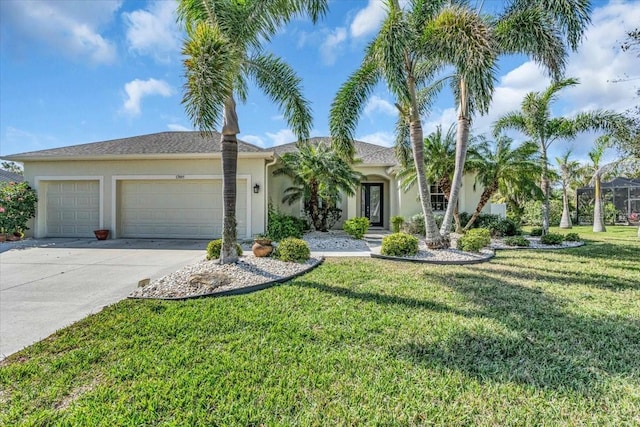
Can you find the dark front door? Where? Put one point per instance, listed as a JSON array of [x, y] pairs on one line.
[[371, 202]]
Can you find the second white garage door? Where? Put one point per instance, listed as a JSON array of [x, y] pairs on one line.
[[177, 209]]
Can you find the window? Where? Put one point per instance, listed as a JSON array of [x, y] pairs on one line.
[[438, 202]]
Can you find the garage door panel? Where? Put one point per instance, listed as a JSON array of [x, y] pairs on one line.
[[177, 209], [73, 208]]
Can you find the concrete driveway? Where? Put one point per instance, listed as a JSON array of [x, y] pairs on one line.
[[48, 284]]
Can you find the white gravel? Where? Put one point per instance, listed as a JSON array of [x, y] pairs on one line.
[[252, 271]]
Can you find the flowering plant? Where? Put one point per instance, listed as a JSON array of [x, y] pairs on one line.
[[17, 206]]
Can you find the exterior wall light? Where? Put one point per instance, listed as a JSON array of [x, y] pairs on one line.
[[256, 188]]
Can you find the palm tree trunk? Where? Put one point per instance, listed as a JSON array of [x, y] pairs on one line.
[[230, 129], [565, 221], [445, 184], [462, 140], [544, 185], [484, 198], [598, 213]]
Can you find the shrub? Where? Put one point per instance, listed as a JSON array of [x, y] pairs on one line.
[[536, 231], [17, 206], [551, 239], [415, 225], [572, 237], [396, 223], [293, 249], [356, 227], [504, 227], [280, 226], [474, 240], [532, 212], [516, 241], [215, 247], [399, 244]]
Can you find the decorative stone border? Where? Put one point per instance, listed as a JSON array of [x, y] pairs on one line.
[[480, 258], [236, 291]]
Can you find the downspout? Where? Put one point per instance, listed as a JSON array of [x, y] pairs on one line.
[[266, 190]]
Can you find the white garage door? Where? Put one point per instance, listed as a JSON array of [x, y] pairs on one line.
[[73, 208], [177, 209]]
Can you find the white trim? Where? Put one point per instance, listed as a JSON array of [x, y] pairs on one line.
[[116, 178], [41, 218]]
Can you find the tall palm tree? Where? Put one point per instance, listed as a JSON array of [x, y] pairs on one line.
[[472, 41], [596, 154], [568, 171], [223, 51], [498, 166], [439, 163], [534, 120], [431, 35], [319, 177]]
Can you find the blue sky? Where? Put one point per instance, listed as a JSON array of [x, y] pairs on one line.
[[73, 72]]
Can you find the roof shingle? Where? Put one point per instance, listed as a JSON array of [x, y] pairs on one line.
[[368, 153]]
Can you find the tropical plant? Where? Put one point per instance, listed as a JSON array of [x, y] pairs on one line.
[[215, 247], [397, 222], [320, 176], [498, 165], [399, 245], [280, 225], [292, 249], [414, 44], [474, 240], [439, 164], [595, 155], [356, 227], [223, 51], [552, 239], [569, 169], [17, 206], [534, 120]]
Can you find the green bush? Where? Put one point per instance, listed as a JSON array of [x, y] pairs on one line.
[[396, 223], [281, 226], [516, 241], [215, 247], [356, 227], [572, 237], [532, 212], [536, 231], [505, 227], [293, 249], [551, 239], [474, 240], [17, 206], [415, 225], [399, 244]]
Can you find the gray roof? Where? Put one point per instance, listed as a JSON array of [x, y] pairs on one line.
[[163, 143], [6, 176], [368, 153]]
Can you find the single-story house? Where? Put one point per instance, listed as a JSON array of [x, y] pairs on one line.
[[169, 185]]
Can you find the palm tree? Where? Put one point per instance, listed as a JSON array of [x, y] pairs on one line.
[[535, 121], [415, 43], [319, 177], [596, 155], [499, 166], [472, 42], [568, 171], [223, 51], [439, 158]]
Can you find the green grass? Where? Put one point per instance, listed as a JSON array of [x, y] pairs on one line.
[[531, 338]]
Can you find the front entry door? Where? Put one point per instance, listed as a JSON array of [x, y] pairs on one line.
[[371, 202]]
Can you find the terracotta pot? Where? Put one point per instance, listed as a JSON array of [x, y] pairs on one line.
[[260, 250], [3, 237], [101, 234], [14, 237]]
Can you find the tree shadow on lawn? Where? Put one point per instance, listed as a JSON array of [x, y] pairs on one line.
[[530, 337], [544, 344], [624, 251]]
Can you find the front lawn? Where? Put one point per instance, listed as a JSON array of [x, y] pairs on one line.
[[530, 338]]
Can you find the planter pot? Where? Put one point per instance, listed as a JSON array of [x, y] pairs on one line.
[[262, 250], [14, 237], [3, 237], [101, 234]]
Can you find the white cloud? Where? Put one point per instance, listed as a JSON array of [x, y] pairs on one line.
[[385, 139], [332, 45], [178, 128], [70, 27], [368, 20], [137, 89], [253, 139], [283, 136], [154, 31], [377, 104]]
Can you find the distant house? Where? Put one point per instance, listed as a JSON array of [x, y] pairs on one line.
[[8, 176], [169, 185], [623, 193]]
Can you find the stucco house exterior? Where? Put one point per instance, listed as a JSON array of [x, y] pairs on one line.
[[169, 185]]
